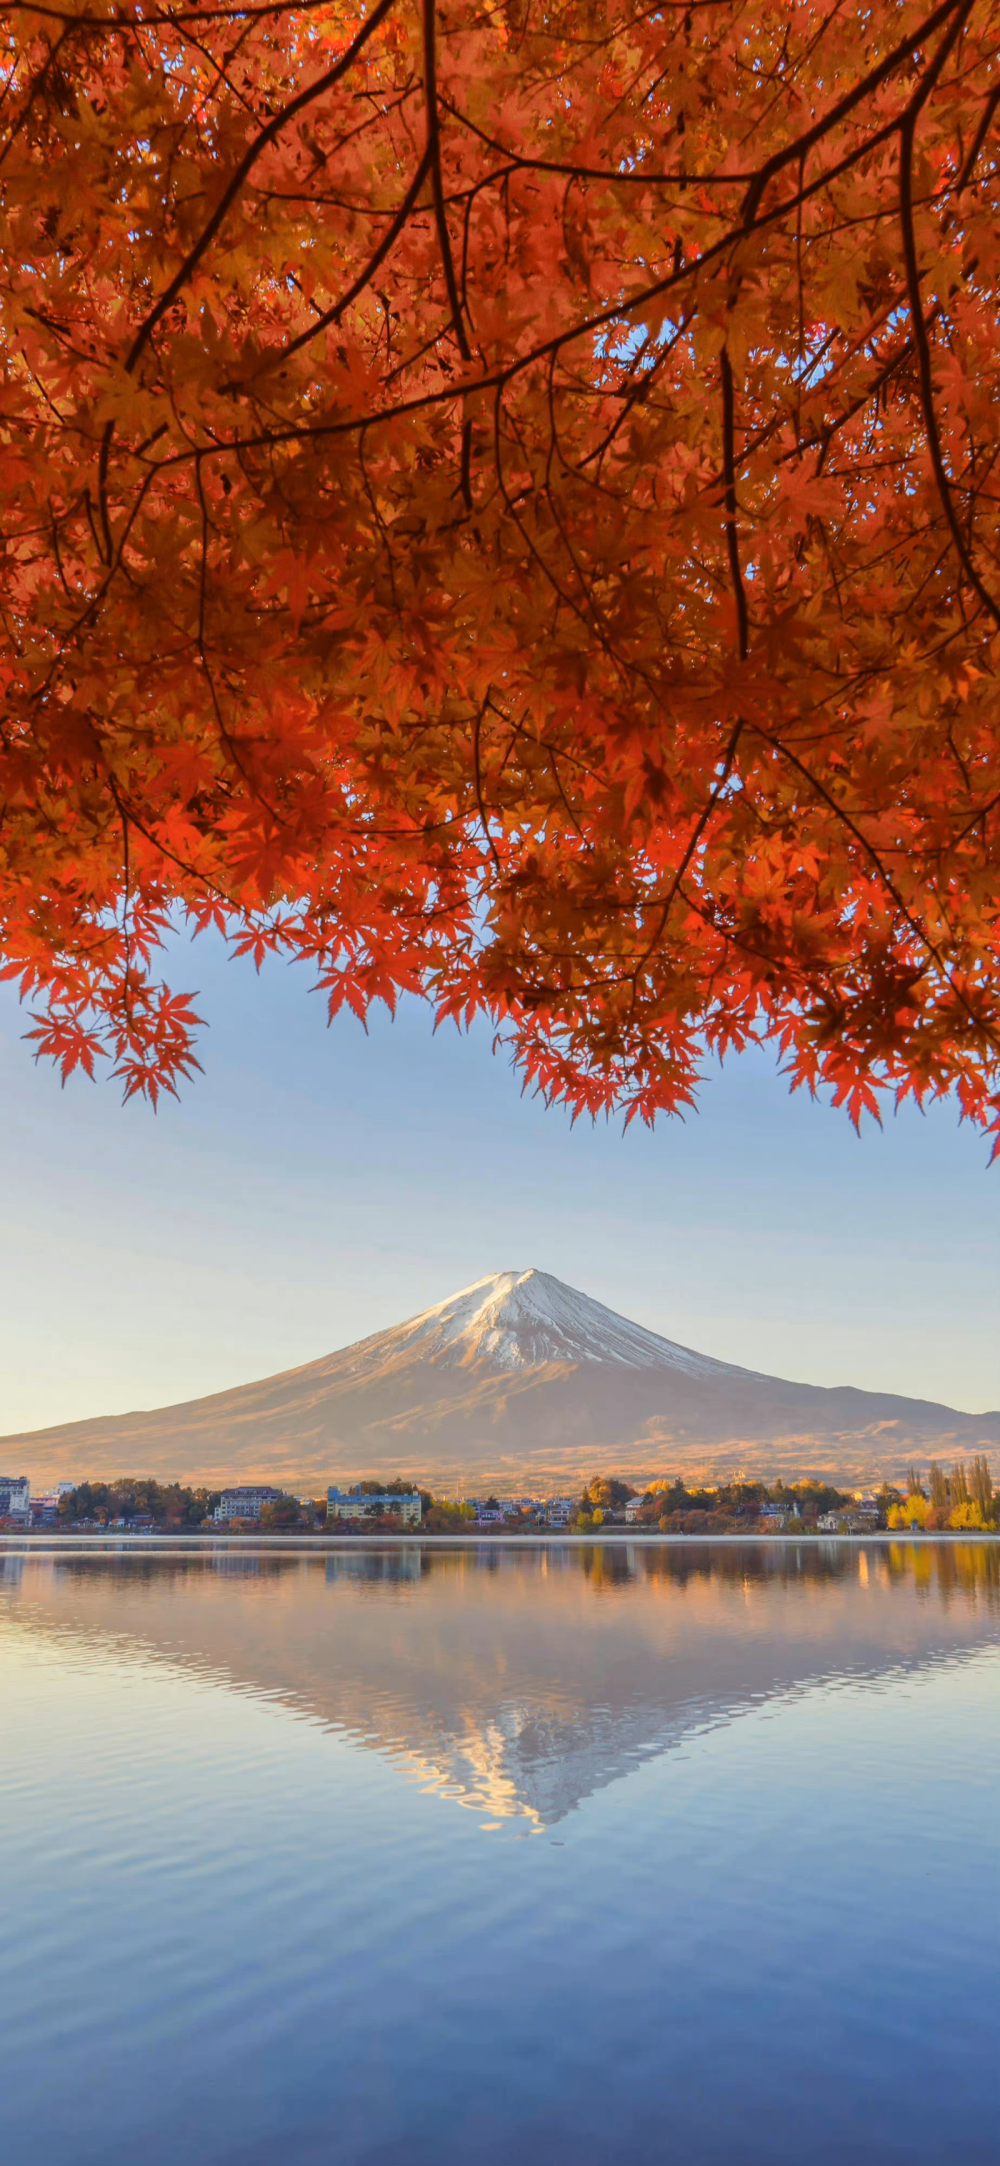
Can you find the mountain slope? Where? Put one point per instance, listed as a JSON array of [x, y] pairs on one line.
[[517, 1379]]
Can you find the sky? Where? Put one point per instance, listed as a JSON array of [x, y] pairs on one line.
[[315, 1185]]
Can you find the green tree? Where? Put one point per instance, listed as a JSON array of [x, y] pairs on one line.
[[813, 1496], [284, 1513], [981, 1484], [170, 1504], [444, 1515], [938, 1486], [400, 1486]]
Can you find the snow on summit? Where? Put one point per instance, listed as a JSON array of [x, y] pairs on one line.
[[526, 1319]]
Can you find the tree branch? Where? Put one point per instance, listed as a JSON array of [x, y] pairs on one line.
[[437, 184], [921, 341], [249, 159]]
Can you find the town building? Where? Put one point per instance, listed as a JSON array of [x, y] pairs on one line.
[[558, 1511], [246, 1502], [352, 1504], [860, 1518], [45, 1509], [15, 1498], [774, 1516]]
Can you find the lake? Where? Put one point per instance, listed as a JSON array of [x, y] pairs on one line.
[[398, 1856]]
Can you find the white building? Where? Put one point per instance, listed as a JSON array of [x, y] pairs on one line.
[[15, 1498], [351, 1504], [558, 1510], [245, 1503], [855, 1519]]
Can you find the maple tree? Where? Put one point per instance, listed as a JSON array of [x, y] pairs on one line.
[[501, 502]]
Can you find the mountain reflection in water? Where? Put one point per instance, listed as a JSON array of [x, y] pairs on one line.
[[519, 1683], [753, 1920]]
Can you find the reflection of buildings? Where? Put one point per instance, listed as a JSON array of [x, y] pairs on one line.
[[519, 1683], [375, 1567]]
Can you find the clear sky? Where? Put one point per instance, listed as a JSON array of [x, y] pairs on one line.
[[315, 1185]]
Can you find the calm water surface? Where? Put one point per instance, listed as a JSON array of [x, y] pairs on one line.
[[578, 1856]]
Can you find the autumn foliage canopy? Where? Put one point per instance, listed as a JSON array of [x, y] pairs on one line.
[[503, 501]]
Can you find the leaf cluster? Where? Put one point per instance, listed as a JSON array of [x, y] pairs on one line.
[[169, 1504], [502, 504]]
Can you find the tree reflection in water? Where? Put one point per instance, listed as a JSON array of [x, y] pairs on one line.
[[516, 1680]]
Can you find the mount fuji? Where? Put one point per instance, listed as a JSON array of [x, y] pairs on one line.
[[517, 1380]]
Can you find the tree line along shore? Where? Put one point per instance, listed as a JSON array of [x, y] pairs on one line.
[[961, 1499]]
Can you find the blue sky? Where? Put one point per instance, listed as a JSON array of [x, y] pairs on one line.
[[314, 1185]]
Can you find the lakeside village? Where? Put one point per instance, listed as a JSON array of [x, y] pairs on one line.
[[959, 1499]]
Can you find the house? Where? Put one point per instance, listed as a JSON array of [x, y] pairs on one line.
[[633, 1510], [351, 1504], [15, 1498], [857, 1519], [45, 1510], [489, 1515], [245, 1503], [558, 1510]]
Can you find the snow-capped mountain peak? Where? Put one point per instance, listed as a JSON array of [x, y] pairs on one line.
[[527, 1319]]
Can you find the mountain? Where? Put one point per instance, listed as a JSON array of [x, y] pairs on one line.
[[517, 1380]]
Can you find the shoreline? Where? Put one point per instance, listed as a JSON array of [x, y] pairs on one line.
[[41, 1544]]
